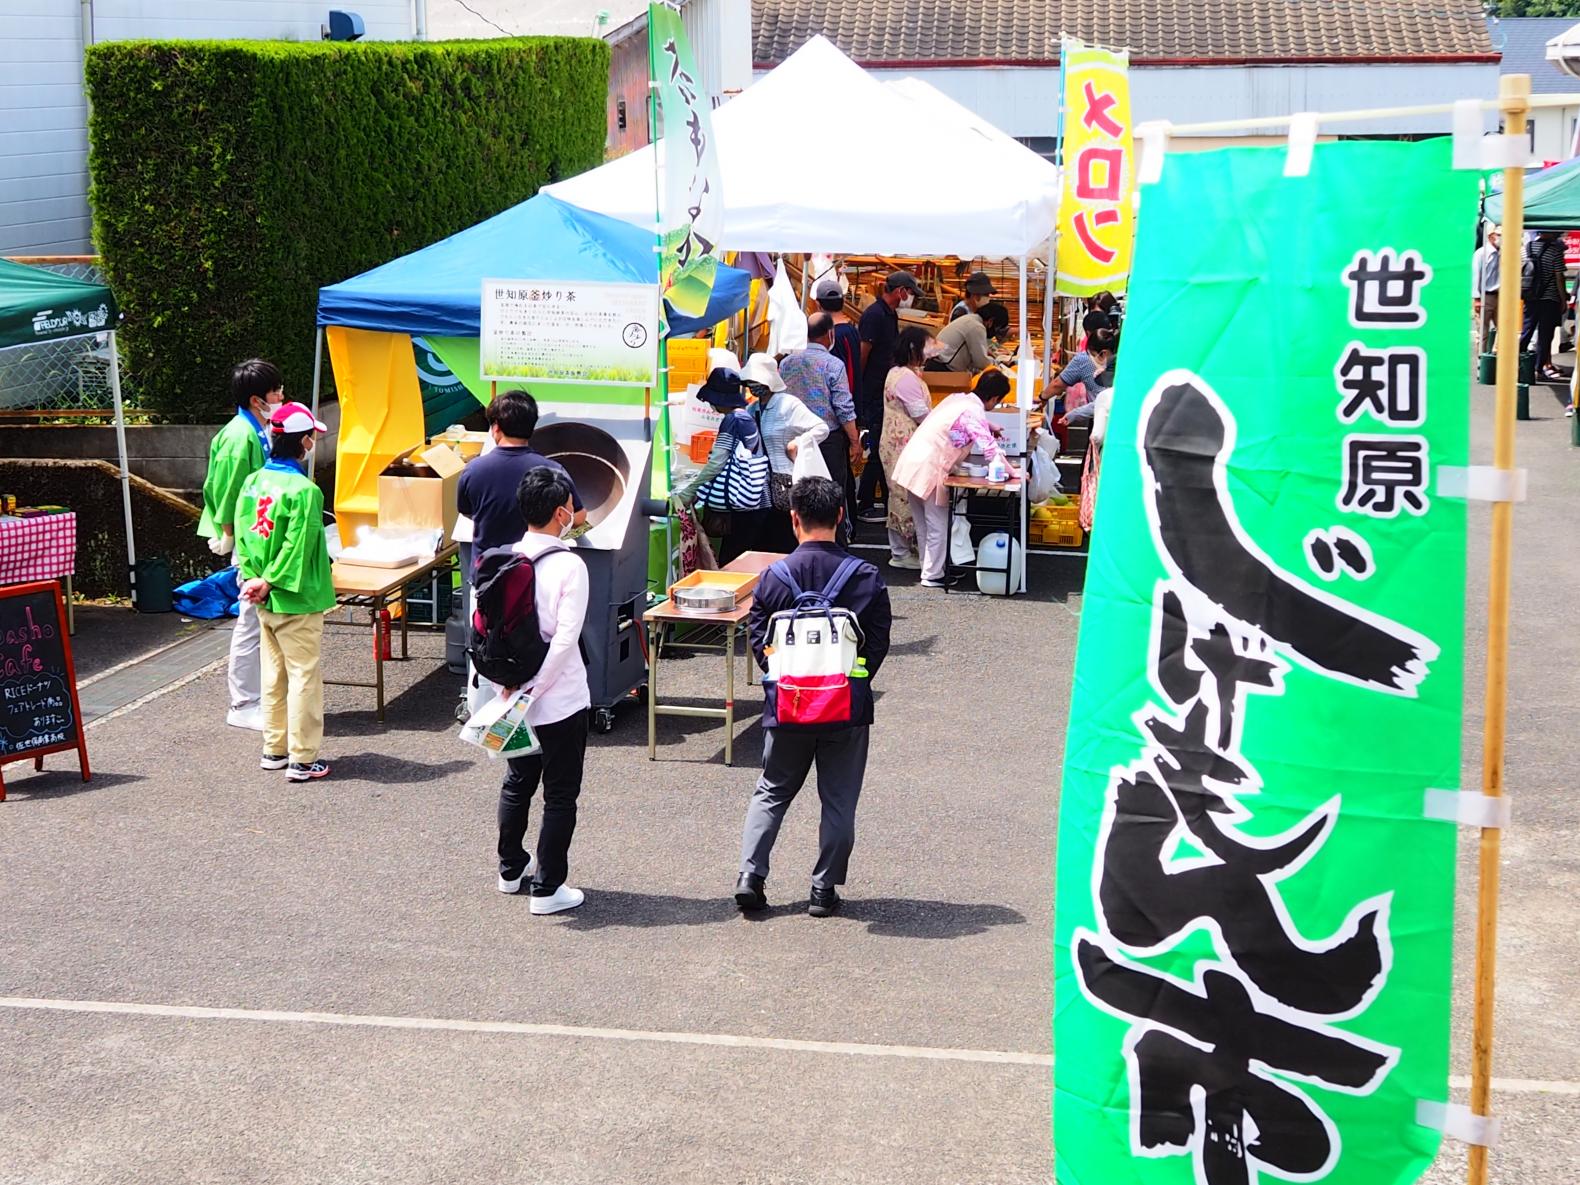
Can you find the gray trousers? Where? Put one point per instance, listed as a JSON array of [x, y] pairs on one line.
[[841, 759], [246, 667]]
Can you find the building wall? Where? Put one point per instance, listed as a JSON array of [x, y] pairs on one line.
[[628, 94], [1024, 102], [43, 112], [720, 33], [1552, 131]]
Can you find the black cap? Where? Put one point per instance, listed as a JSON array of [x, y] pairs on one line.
[[980, 284], [898, 280], [723, 389], [828, 290]]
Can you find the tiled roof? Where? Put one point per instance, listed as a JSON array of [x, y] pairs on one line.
[[1523, 41], [874, 32]]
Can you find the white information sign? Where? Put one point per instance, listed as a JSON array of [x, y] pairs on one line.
[[570, 331]]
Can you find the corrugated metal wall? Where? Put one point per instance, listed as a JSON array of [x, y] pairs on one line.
[[43, 114]]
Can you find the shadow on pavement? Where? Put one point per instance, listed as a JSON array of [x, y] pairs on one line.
[[606, 909], [886, 917], [899, 917], [60, 783], [392, 771]]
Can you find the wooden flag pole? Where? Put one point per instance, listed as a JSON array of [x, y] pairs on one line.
[[1514, 91]]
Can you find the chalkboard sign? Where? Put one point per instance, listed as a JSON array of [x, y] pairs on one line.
[[39, 713]]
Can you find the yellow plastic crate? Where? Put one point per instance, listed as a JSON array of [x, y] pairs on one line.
[[688, 362], [1062, 535]]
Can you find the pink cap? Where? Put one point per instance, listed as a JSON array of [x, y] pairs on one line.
[[290, 418]]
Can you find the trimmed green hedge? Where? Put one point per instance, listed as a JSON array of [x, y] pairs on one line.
[[230, 180]]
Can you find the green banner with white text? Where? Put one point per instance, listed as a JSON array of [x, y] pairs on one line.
[[1254, 931], [692, 218]]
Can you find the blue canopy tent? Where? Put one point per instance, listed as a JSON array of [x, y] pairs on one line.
[[434, 295], [437, 291]]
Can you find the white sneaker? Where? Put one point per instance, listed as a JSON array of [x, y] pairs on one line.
[[914, 563], [246, 718], [561, 899], [522, 881]]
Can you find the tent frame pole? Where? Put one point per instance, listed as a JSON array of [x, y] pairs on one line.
[[318, 370], [126, 473], [1023, 397]]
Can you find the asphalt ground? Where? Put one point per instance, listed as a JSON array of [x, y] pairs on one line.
[[211, 973]]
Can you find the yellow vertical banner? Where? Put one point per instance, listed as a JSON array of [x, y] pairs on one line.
[[380, 416], [1097, 215]]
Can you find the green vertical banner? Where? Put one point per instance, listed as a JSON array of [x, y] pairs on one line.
[[1255, 900], [692, 219]]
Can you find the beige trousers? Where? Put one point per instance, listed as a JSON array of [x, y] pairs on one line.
[[293, 684]]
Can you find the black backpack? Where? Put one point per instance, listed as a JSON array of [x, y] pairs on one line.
[[507, 647]]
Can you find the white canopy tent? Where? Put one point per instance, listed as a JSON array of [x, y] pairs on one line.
[[784, 192], [785, 189]]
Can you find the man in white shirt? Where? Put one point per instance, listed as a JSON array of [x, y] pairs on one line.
[[1484, 286], [560, 702]]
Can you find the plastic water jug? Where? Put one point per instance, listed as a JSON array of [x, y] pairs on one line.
[[991, 554]]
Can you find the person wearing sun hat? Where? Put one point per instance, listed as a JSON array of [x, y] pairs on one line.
[[284, 561], [740, 438], [788, 426]]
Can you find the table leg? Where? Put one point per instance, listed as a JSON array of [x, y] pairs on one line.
[[729, 694], [71, 608], [378, 659], [405, 618], [655, 634]]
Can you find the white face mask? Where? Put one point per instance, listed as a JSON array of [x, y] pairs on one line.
[[907, 300], [570, 525]]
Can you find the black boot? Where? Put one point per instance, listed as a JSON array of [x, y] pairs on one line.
[[749, 893], [823, 903]]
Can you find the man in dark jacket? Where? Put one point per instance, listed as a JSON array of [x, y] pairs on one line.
[[817, 506]]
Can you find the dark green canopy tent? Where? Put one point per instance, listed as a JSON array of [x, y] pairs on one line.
[[36, 306], [1552, 199]]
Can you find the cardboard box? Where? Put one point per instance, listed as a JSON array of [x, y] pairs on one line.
[[468, 444], [420, 492]]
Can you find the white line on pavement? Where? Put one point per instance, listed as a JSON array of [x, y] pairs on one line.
[[520, 1028], [727, 1040]]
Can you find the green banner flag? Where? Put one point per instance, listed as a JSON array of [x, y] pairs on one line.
[[1254, 910], [693, 209]]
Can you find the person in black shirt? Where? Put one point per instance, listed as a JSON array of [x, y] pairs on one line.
[[486, 493], [1544, 302], [880, 329]]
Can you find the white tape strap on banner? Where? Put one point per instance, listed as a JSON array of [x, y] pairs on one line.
[[1302, 142], [1474, 149], [1154, 137], [1468, 807], [1481, 483], [1459, 1122]]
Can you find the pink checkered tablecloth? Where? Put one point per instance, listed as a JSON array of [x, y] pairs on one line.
[[40, 548]]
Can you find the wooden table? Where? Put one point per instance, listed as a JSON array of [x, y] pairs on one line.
[[660, 622], [961, 488], [381, 587]]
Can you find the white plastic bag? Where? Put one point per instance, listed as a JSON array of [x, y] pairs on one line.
[[786, 320], [809, 463], [1042, 476], [500, 727], [961, 550]]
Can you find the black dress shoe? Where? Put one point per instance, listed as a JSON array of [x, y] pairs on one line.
[[824, 903], [749, 893]]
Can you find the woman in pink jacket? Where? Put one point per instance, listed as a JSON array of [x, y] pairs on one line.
[[946, 437]]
